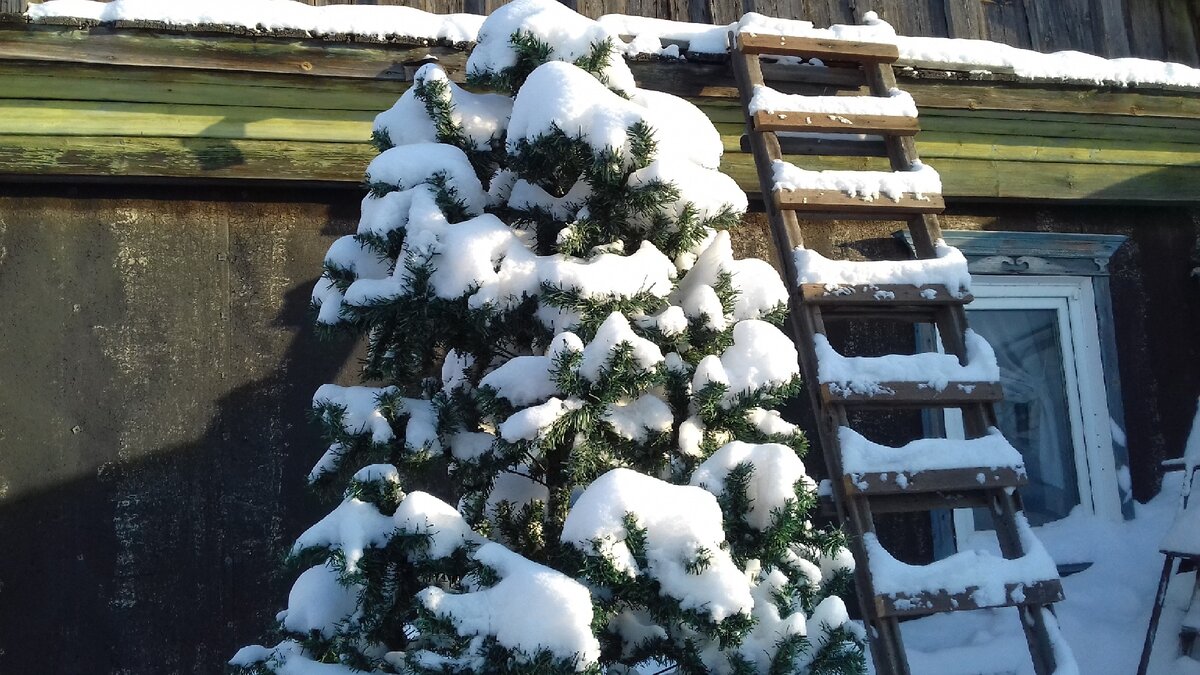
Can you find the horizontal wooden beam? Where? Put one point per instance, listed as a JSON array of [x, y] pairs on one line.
[[821, 48]]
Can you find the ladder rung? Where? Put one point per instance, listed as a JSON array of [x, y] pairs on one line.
[[937, 480], [833, 200], [835, 123], [919, 604], [923, 502], [915, 395], [822, 48], [789, 144], [890, 296]]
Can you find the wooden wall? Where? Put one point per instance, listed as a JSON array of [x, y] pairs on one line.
[[1154, 29]]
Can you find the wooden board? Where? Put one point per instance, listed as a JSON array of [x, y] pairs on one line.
[[822, 48], [883, 295], [835, 123], [911, 395], [824, 201], [943, 480], [922, 604]]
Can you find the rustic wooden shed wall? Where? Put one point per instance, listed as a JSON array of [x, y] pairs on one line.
[[1153, 29], [154, 278]]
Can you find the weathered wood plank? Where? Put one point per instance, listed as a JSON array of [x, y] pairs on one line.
[[87, 118], [830, 201], [834, 50], [1179, 20], [784, 120], [965, 19], [50, 80], [975, 95], [1108, 27], [920, 604], [125, 158], [261, 54]]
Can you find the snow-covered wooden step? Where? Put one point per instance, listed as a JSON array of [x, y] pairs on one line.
[[885, 296], [929, 378], [947, 270], [820, 48], [854, 193], [894, 115], [963, 581], [929, 464]]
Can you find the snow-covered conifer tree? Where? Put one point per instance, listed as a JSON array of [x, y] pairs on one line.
[[549, 297]]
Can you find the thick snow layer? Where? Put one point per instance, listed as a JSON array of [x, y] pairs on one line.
[[861, 456], [562, 96], [701, 37], [929, 52], [348, 254], [979, 571], [319, 601], [633, 419], [522, 380], [570, 36], [361, 405], [707, 190], [532, 608], [647, 36], [275, 15], [288, 658], [614, 332], [528, 424], [352, 527], [422, 513], [517, 489], [610, 275], [864, 374], [948, 269], [407, 166], [1103, 617], [760, 356], [467, 446], [772, 484], [867, 185], [759, 287], [526, 196], [898, 103], [481, 116], [681, 523], [761, 644]]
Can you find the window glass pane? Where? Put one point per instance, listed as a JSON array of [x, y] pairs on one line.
[[1034, 415]]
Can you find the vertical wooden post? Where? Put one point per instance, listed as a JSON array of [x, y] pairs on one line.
[[13, 6]]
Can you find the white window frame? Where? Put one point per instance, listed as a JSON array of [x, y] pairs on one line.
[[1073, 300]]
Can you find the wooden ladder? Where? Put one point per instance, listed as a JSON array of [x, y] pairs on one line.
[[861, 494]]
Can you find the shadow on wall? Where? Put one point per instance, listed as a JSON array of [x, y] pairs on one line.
[[147, 497]]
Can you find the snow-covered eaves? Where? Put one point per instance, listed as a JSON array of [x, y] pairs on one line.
[[644, 36], [133, 102]]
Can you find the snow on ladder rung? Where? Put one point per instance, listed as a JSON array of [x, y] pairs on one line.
[[932, 370], [948, 270], [963, 581], [821, 48], [929, 464], [855, 192], [889, 295], [895, 114]]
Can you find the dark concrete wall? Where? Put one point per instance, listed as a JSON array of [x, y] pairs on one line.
[[156, 366]]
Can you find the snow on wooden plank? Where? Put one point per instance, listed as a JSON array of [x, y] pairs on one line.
[[929, 464], [837, 296], [828, 201], [914, 395], [970, 579], [820, 48]]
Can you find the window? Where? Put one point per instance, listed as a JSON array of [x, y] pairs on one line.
[[1042, 301]]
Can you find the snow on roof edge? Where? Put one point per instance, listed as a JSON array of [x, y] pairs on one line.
[[646, 36]]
